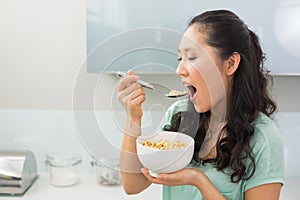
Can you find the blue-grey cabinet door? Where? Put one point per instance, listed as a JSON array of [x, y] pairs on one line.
[[126, 34]]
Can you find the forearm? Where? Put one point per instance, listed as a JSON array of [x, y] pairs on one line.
[[132, 178], [207, 188]]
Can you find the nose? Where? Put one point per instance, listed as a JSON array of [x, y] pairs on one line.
[[181, 69]]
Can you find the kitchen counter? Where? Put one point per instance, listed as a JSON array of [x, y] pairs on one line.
[[87, 188]]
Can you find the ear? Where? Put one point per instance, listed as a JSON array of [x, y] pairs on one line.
[[232, 63]]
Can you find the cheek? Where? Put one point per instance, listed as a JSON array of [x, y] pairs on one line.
[[202, 89], [212, 87], [210, 92], [204, 100]]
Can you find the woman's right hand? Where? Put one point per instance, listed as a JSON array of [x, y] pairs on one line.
[[131, 95]]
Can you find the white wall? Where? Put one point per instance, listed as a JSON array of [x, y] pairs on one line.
[[42, 47]]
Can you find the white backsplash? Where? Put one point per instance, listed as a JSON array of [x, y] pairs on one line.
[[288, 123], [54, 132]]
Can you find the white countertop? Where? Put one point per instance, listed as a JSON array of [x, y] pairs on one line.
[[87, 188]]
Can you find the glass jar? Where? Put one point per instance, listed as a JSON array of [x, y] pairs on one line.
[[63, 170], [107, 171]]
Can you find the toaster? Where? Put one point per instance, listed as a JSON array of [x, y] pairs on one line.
[[18, 171]]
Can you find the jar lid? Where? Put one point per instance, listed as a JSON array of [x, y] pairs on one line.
[[63, 161]]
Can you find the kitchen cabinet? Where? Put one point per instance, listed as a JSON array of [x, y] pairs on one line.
[[144, 35]]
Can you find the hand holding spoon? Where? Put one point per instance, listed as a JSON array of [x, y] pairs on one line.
[[171, 94]]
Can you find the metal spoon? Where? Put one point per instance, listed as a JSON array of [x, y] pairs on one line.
[[170, 94], [175, 94]]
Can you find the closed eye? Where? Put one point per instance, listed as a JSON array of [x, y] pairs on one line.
[[192, 58]]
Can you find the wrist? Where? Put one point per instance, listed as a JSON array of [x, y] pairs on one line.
[[198, 181], [206, 187], [133, 126], [137, 121]]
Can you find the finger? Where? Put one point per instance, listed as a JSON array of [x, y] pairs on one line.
[[146, 173], [131, 92], [136, 93], [168, 177], [135, 98], [137, 101], [129, 89], [130, 72], [174, 178], [124, 82], [127, 81]]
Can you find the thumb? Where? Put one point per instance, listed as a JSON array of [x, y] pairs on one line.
[[130, 72]]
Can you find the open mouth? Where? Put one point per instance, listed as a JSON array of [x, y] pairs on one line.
[[192, 91]]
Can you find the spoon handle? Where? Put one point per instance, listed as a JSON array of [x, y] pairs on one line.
[[141, 82]]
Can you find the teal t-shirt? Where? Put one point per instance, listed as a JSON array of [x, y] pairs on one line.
[[267, 150]]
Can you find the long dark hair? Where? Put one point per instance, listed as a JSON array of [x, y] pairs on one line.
[[227, 33]]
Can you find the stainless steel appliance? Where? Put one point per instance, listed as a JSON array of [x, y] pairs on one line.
[[18, 171]]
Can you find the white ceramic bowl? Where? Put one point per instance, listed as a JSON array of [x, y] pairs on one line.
[[165, 161]]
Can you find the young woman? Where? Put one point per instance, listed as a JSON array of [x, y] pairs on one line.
[[238, 150]]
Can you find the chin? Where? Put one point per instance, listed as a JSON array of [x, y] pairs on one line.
[[200, 109]]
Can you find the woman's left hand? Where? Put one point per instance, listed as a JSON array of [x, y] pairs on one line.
[[185, 176]]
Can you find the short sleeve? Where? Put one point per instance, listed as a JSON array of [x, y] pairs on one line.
[[267, 148], [178, 106]]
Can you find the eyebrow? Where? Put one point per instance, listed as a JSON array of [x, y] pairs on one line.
[[186, 49]]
